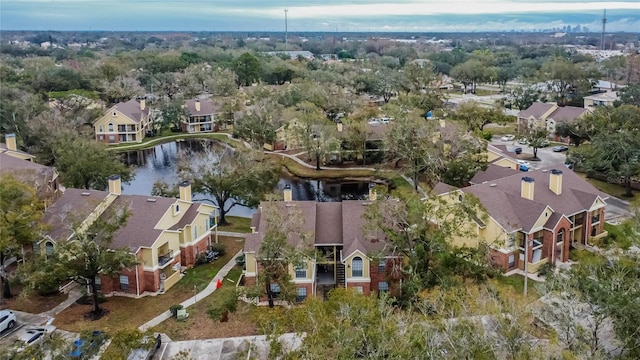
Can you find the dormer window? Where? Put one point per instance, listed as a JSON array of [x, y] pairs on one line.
[[460, 198]]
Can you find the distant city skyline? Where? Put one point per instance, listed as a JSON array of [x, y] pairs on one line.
[[317, 15]]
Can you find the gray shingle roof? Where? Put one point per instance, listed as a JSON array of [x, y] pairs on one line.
[[71, 209], [536, 110], [131, 109], [493, 172], [504, 203], [331, 223], [207, 107], [140, 230]]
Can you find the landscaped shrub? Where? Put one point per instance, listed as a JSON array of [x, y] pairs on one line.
[[226, 302], [487, 135], [240, 260], [219, 248], [545, 269], [174, 309], [201, 259]]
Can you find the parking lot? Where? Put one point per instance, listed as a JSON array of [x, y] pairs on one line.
[[546, 155], [25, 321]]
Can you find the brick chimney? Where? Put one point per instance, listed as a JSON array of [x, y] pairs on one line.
[[197, 104], [142, 104], [288, 194], [185, 191], [115, 185], [555, 181], [10, 141], [526, 188]]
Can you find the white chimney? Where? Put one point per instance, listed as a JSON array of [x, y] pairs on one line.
[[288, 194], [555, 181], [142, 104], [197, 103], [339, 123], [527, 186], [185, 191], [115, 185], [10, 141]]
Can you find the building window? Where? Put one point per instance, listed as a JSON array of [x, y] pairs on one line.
[[48, 248], [176, 209], [301, 294], [115, 113], [383, 286], [275, 290], [207, 224], [301, 271], [512, 261], [511, 240], [560, 236], [358, 289], [112, 138], [124, 283], [382, 265], [356, 267], [460, 198], [595, 218], [195, 232], [101, 137], [101, 128], [98, 283], [110, 127]]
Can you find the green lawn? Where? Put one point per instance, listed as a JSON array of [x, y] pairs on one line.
[[129, 313], [609, 188], [515, 285], [236, 224], [170, 137]]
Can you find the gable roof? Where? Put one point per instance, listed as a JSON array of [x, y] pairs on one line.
[[144, 215], [503, 202], [207, 107], [340, 223], [72, 208], [131, 109], [537, 109], [567, 113], [492, 172], [442, 188]]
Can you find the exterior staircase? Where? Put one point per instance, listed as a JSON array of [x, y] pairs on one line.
[[340, 276]]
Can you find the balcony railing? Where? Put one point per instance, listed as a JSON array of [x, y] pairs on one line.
[[164, 259]]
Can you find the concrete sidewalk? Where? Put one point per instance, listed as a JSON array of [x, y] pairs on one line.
[[192, 300]]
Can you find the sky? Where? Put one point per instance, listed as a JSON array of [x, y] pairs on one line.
[[317, 15]]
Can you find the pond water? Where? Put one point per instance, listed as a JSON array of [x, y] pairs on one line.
[[160, 163]]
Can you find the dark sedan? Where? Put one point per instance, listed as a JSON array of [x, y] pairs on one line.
[[560, 148]]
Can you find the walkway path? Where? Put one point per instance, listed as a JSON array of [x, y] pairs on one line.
[[74, 295], [231, 234], [199, 296]]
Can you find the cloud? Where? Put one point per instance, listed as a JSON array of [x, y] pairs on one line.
[[310, 15]]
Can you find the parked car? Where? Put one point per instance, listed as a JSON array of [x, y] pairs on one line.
[[545, 143], [523, 141], [517, 150], [560, 148], [508, 137], [7, 320], [32, 336], [523, 163]]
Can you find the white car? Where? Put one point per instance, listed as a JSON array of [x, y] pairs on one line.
[[525, 163], [508, 137], [31, 336], [7, 320]]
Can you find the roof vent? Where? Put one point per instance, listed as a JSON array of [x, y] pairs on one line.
[[84, 193], [545, 170], [288, 204], [151, 200], [493, 185]]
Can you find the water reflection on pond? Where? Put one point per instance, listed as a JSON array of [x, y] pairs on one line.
[[160, 163]]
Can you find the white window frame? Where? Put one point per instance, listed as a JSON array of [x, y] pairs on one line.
[[300, 271], [354, 261], [124, 283], [383, 286], [301, 294]]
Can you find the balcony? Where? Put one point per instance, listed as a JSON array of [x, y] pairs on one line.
[[164, 260], [595, 219], [593, 239]]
